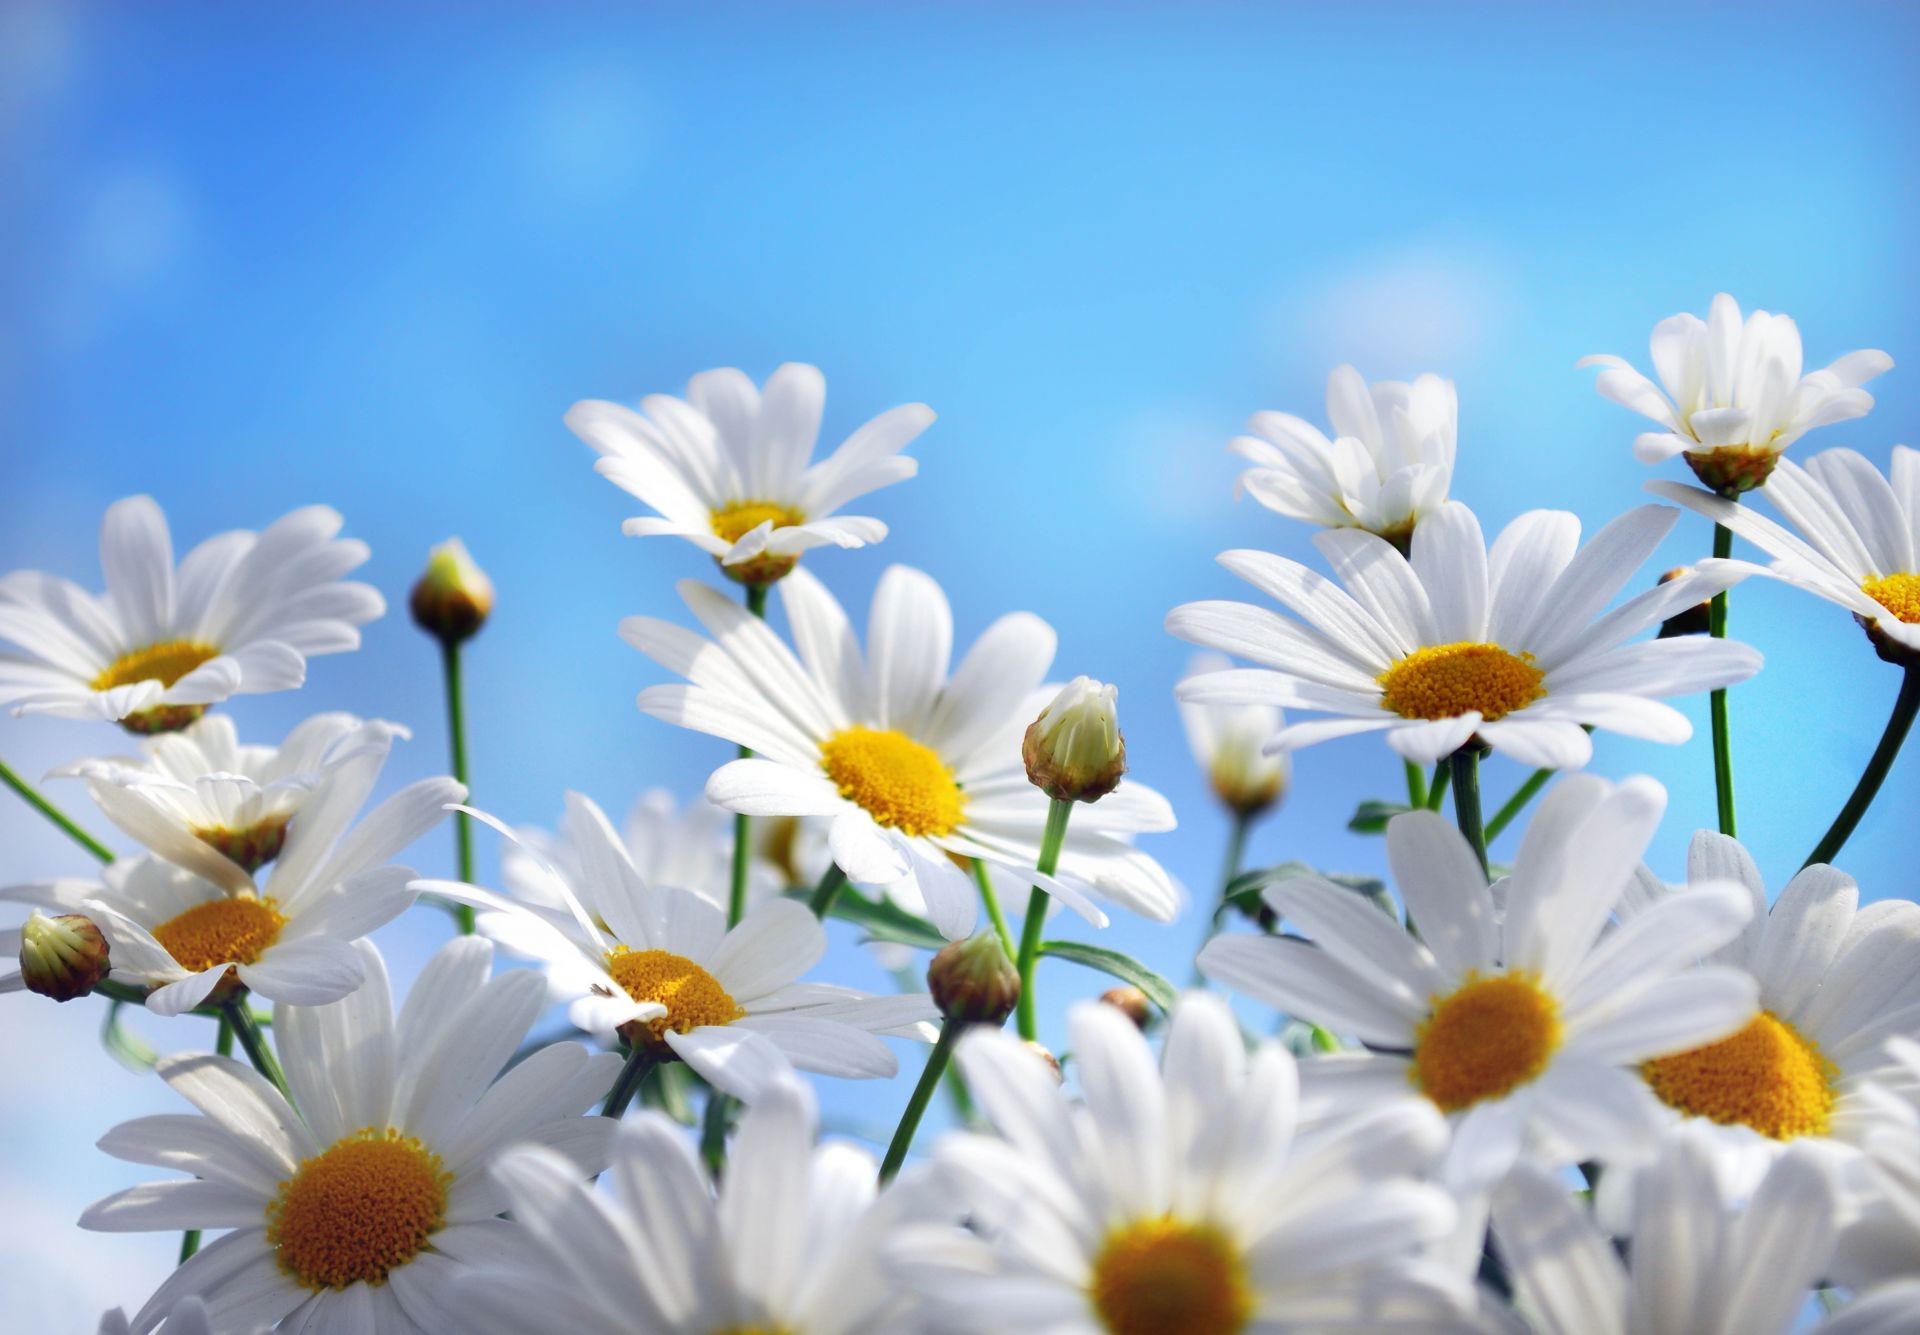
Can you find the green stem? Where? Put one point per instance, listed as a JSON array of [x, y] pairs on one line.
[[1437, 790], [222, 1044], [990, 898], [742, 823], [1717, 704], [827, 891], [1236, 854], [31, 796], [457, 740], [1905, 706], [1465, 765], [714, 1125], [1416, 785], [639, 1062], [1030, 927], [240, 1016], [917, 1105], [1517, 803], [189, 1244]]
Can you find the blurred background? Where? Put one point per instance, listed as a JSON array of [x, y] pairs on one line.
[[256, 257]]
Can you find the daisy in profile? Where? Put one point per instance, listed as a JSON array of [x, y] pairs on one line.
[[790, 1243], [1229, 744], [913, 765], [1526, 1031], [1178, 1199], [1509, 646], [1856, 541], [1390, 461], [728, 468], [355, 1205], [1734, 395], [658, 967], [241, 615]]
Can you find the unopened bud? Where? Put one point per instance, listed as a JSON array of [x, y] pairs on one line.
[[1695, 620], [1053, 1062], [1130, 1002], [454, 595], [973, 981], [62, 957], [1074, 750]]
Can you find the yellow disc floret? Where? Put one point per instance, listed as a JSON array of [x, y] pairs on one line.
[[1164, 1276], [692, 996], [165, 663], [733, 522], [220, 931], [1491, 1036], [1447, 680], [1899, 593], [901, 783], [1767, 1076], [359, 1210]]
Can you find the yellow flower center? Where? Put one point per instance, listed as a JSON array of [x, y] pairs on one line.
[[359, 1210], [1493, 1035], [1767, 1076], [166, 663], [1899, 593], [220, 931], [692, 996], [1166, 1277], [1447, 680], [901, 783], [733, 522]]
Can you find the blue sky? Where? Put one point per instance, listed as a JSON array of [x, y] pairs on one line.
[[255, 258]]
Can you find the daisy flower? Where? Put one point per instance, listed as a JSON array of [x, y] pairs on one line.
[[1526, 1031], [1229, 744], [913, 766], [355, 1205], [1389, 464], [727, 467], [1508, 646], [1734, 395], [1175, 1203], [1858, 540], [658, 966], [241, 615], [1882, 1241], [189, 1317], [790, 1243]]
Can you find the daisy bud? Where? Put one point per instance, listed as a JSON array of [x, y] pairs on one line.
[[973, 981], [62, 957], [454, 595], [1053, 1062], [1130, 1002], [1074, 750], [1693, 620]]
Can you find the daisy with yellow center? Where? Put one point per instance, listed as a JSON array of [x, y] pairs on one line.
[[1512, 645], [359, 1205], [729, 467], [242, 614], [1181, 1203], [1529, 1031], [915, 767]]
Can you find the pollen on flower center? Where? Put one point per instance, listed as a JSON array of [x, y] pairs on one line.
[[692, 996], [358, 1210], [1767, 1076], [901, 783], [1899, 593], [1491, 1036], [166, 663], [1447, 680], [733, 522], [1163, 1276], [220, 931]]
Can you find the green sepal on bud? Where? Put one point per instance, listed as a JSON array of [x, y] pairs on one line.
[[1074, 751], [62, 957], [453, 597], [973, 981]]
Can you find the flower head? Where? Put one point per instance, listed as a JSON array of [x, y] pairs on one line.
[[1074, 751], [973, 981], [1230, 743], [62, 957], [453, 596]]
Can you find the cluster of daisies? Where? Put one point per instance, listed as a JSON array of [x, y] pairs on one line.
[[1558, 1096]]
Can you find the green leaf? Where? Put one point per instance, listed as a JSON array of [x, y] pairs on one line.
[[1245, 890], [1372, 817], [882, 920], [1124, 967]]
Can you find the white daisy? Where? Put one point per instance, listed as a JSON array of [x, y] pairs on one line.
[[1882, 1244], [790, 1244], [1229, 743], [659, 967], [355, 1211], [1389, 464], [1509, 645], [1525, 1031], [727, 468], [188, 1317], [241, 615], [1175, 1203], [913, 766], [1858, 543]]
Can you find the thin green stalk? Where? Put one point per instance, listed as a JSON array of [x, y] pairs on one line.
[[827, 891], [756, 596], [1236, 854], [1465, 765], [31, 796], [222, 1044], [1437, 790], [1524, 794], [714, 1125], [240, 1016], [1030, 928], [1717, 704], [1416, 785], [457, 740], [639, 1062], [917, 1105], [991, 899], [1905, 706], [189, 1244]]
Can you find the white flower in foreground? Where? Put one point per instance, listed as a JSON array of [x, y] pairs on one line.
[[1180, 1203], [728, 468], [1735, 397], [1858, 543], [189, 1317], [1526, 1032], [914, 766], [658, 966], [1884, 1242], [355, 1211], [241, 615], [1509, 645], [1389, 464], [1229, 743], [790, 1243]]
